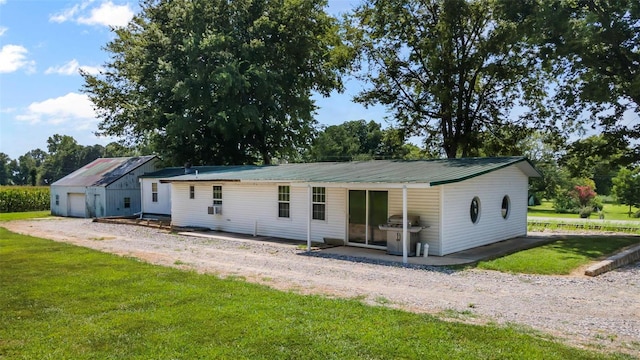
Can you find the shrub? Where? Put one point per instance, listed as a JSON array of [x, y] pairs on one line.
[[584, 194], [597, 203], [565, 203], [24, 198], [585, 211]]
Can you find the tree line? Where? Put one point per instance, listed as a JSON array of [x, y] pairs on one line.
[[63, 156]]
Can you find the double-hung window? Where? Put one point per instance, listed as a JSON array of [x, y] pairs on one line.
[[217, 195], [154, 192], [318, 203], [127, 203], [284, 205], [192, 192]]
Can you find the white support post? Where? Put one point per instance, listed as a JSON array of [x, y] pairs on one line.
[[366, 217], [309, 212], [404, 226]]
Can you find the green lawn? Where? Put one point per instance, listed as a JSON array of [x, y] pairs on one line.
[[59, 301], [560, 257], [24, 215], [611, 212]]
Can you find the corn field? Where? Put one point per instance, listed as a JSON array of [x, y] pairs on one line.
[[24, 198]]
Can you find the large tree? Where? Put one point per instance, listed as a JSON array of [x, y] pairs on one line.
[[447, 69], [592, 49], [218, 81]]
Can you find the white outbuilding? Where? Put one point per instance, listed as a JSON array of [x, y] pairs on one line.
[[450, 205], [104, 187]]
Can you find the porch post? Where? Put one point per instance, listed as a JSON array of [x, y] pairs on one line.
[[309, 210], [404, 225]]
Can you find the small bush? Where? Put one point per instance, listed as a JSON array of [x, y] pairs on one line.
[[636, 214], [585, 212], [597, 203], [565, 203]]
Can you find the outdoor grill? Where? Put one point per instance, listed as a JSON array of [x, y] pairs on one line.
[[393, 227]]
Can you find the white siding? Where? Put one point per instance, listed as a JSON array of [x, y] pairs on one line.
[[250, 207], [424, 203], [163, 205], [459, 233]]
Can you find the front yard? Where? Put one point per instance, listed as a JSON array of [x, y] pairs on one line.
[[62, 301]]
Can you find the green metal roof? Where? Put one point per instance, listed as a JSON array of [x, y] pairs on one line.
[[431, 172], [177, 171]]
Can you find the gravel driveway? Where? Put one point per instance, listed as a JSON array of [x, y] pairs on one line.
[[601, 312]]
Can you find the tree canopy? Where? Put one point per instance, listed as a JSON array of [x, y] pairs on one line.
[[447, 69], [358, 140], [218, 81], [592, 50]]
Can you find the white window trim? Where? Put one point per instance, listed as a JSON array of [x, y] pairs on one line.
[[318, 203], [288, 218]]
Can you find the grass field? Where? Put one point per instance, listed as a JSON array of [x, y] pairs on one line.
[[59, 301], [611, 212], [24, 215], [560, 257]]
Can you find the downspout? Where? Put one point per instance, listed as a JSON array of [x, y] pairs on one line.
[[404, 225], [309, 218]]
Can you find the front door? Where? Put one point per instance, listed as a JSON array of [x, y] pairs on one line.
[[367, 210]]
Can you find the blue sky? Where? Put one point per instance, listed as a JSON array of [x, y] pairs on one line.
[[44, 43]]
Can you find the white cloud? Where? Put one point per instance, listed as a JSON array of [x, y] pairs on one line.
[[3, 2], [3, 30], [64, 15], [72, 108], [109, 14], [71, 68], [106, 14], [14, 57]]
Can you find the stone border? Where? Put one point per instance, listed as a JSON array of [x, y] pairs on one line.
[[622, 258]]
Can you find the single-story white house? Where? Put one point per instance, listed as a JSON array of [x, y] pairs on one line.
[[461, 203], [156, 195], [104, 187]]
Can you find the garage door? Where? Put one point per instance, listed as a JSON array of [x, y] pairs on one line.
[[76, 205]]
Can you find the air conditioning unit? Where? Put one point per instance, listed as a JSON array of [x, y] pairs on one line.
[[215, 210]]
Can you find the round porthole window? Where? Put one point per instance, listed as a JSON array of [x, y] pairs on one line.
[[474, 210], [506, 206]]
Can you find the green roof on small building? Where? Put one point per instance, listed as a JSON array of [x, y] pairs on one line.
[[431, 172]]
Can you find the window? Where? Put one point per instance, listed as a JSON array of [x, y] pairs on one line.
[[154, 192], [318, 203], [57, 199], [506, 202], [474, 210], [192, 192], [284, 196], [127, 203], [217, 195]]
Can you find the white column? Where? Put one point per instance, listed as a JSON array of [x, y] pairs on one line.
[[309, 210], [404, 226], [366, 217]]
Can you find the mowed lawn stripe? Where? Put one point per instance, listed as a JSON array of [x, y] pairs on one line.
[[61, 301], [561, 257]]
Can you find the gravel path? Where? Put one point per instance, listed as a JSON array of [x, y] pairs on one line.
[[601, 312]]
